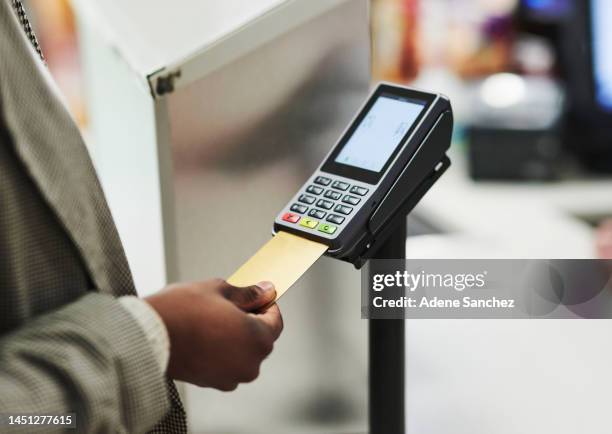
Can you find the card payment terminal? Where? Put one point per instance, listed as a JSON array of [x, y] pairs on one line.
[[393, 151]]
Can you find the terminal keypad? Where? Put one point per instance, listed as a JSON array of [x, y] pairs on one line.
[[334, 205]]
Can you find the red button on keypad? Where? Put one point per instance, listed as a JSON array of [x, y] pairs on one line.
[[290, 217]]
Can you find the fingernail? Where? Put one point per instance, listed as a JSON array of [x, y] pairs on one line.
[[266, 286]]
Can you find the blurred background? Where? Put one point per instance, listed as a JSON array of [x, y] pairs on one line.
[[203, 117]]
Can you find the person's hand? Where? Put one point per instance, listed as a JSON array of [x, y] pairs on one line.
[[218, 333]]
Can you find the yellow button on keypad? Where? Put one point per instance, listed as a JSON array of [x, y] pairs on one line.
[[309, 223]]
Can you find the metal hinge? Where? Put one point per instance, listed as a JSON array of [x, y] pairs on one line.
[[164, 84]]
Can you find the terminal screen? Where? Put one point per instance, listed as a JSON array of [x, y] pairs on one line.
[[380, 132]]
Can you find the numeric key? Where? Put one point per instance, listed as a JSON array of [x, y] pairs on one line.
[[304, 198], [321, 180], [351, 200], [343, 209], [313, 189], [361, 191], [325, 204], [296, 207], [317, 213], [331, 194], [335, 219], [339, 185]]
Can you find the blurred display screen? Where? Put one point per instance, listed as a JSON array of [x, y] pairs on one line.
[[548, 9], [601, 19], [380, 132]]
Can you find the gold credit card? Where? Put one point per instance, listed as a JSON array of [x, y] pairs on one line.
[[282, 261]]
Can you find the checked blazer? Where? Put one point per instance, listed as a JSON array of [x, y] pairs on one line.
[[66, 343]]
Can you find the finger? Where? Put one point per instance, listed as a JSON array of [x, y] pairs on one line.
[[250, 298], [272, 320], [226, 387]]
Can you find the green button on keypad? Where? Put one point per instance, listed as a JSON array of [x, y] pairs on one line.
[[309, 223], [327, 228]]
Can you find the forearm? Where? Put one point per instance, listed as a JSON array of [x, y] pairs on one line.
[[91, 358]]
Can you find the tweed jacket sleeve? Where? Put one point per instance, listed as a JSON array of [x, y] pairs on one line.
[[67, 345], [88, 358]]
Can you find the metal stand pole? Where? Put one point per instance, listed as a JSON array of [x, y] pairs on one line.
[[386, 356]]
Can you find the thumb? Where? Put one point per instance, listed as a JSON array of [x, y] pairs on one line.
[[251, 298]]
